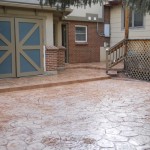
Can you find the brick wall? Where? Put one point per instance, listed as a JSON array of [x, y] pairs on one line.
[[61, 57], [55, 58], [90, 51], [51, 58]]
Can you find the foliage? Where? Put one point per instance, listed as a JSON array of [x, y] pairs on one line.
[[140, 5], [67, 3]]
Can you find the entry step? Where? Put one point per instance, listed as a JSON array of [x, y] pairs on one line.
[[112, 73]]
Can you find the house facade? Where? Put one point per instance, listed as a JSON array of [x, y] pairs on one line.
[[31, 36], [87, 32], [26, 29], [135, 51], [139, 24]]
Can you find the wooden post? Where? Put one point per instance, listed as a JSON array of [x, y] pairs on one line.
[[107, 60], [127, 12]]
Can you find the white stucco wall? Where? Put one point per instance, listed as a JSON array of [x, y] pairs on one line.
[[81, 11], [49, 39], [58, 33], [45, 16], [117, 32]]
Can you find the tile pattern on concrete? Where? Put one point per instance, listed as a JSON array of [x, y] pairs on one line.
[[73, 72], [96, 65], [102, 115], [68, 75]]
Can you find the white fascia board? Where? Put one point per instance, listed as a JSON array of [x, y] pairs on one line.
[[30, 4]]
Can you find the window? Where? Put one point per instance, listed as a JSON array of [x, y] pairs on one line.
[[138, 19], [135, 19], [80, 33]]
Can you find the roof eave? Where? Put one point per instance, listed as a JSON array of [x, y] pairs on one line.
[[35, 6]]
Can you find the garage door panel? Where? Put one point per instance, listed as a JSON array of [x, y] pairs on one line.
[[30, 60], [24, 28], [20, 47], [34, 39], [34, 54], [4, 56], [29, 47], [7, 48], [2, 43], [6, 65], [26, 66], [2, 52], [5, 29]]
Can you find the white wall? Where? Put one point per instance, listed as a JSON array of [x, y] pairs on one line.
[[49, 38], [58, 34], [81, 11], [117, 32], [46, 16]]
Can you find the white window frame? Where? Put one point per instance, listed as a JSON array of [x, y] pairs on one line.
[[81, 33], [132, 27]]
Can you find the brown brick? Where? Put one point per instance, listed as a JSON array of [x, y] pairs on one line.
[[61, 57], [51, 58], [55, 58], [89, 52]]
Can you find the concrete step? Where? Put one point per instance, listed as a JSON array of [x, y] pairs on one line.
[[112, 73], [49, 84]]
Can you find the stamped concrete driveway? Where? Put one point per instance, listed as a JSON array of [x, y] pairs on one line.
[[100, 115]]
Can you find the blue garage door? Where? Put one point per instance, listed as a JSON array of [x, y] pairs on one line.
[[22, 56], [7, 48]]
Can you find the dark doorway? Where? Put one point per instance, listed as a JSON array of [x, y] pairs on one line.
[[65, 42]]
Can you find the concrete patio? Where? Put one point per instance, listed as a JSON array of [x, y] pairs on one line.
[[73, 73], [105, 114]]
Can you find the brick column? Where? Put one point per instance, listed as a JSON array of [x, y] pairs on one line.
[[61, 58], [51, 59]]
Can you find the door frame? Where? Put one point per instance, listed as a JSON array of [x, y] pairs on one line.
[[64, 29]]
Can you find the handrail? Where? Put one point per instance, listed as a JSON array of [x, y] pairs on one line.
[[119, 44], [115, 54], [135, 53]]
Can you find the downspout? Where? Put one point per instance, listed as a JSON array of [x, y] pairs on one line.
[[44, 59], [100, 34], [97, 30]]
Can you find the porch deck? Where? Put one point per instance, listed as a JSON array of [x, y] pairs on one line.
[[74, 73], [136, 55]]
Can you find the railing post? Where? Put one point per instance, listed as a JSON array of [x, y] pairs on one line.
[[107, 61], [125, 53], [127, 13]]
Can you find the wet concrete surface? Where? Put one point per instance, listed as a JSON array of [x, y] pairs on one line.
[[101, 115], [68, 75], [73, 72]]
